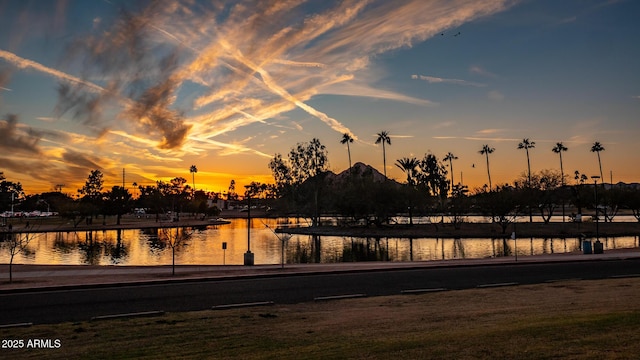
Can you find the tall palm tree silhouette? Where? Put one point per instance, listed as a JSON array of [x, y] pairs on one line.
[[596, 148], [486, 150], [450, 157], [383, 137], [193, 170], [346, 139], [527, 144], [558, 149]]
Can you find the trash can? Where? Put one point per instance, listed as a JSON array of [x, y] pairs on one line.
[[586, 247], [597, 247]]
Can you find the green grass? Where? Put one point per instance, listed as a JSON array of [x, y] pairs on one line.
[[572, 320]]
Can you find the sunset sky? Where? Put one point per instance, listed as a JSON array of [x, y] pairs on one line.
[[155, 87]]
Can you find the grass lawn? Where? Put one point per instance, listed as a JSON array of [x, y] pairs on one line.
[[572, 320]]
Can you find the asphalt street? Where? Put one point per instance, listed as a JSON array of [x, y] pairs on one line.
[[82, 304]]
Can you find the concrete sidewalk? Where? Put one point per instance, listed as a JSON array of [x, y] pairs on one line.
[[61, 277]]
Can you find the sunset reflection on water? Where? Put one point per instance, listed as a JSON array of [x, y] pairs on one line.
[[144, 247]]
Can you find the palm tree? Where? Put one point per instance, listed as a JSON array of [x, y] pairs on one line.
[[346, 139], [558, 149], [486, 150], [383, 137], [526, 144], [596, 148], [409, 166], [450, 157], [193, 170]]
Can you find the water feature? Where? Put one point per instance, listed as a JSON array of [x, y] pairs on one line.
[[146, 247]]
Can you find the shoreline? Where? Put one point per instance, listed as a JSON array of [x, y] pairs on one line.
[[433, 230], [476, 230], [124, 225]]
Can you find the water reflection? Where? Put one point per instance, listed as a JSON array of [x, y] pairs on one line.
[[205, 246]]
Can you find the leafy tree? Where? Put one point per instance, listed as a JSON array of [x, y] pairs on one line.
[[179, 194], [458, 205], [300, 178], [151, 198], [540, 190], [117, 202], [92, 191], [432, 180], [10, 193], [93, 186], [631, 201], [612, 200], [433, 176], [501, 205]]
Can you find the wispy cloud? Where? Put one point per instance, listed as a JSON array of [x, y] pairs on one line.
[[23, 63], [439, 80], [477, 70], [16, 138], [240, 64], [490, 131], [246, 63]]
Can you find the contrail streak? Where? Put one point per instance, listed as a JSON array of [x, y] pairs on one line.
[[23, 63]]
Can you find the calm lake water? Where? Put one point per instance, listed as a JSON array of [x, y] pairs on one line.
[[205, 247]]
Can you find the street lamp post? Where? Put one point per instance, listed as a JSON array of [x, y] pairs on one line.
[[595, 186], [597, 245], [248, 256]]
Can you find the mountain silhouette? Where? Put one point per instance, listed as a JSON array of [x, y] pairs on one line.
[[358, 169]]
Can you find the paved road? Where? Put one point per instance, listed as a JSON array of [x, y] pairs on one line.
[[82, 304]]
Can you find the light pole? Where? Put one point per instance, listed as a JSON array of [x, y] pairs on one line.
[[248, 256], [595, 186]]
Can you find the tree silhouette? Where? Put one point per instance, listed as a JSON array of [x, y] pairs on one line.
[[526, 144], [193, 170], [383, 137], [486, 150], [597, 148], [558, 149], [175, 238], [450, 157], [409, 166], [18, 243], [346, 139]]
